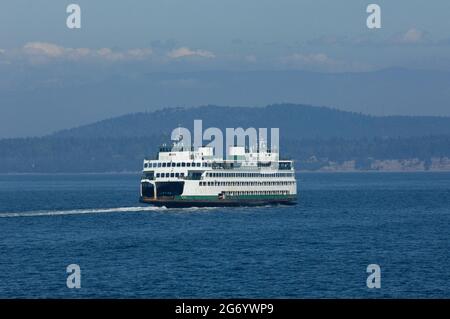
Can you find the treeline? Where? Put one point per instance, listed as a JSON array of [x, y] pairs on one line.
[[119, 154], [294, 121]]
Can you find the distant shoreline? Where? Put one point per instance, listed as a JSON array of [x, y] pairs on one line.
[[298, 172]]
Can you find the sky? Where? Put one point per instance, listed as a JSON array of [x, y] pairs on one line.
[[313, 34], [130, 38]]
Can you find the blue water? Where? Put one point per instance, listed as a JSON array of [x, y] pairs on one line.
[[319, 248]]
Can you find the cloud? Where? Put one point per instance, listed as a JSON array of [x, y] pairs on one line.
[[412, 36], [41, 52], [322, 62], [186, 52], [42, 48]]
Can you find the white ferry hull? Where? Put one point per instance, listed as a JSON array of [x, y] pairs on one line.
[[182, 203]]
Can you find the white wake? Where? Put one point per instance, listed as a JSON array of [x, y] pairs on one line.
[[82, 211]]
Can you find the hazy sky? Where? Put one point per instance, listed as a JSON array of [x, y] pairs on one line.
[[323, 35], [125, 54]]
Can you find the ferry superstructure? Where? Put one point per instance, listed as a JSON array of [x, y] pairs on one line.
[[184, 177]]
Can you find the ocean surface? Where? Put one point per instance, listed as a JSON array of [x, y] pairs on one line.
[[318, 249]]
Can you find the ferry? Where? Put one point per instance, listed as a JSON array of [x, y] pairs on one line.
[[183, 177]]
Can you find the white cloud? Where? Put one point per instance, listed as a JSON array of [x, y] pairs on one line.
[[186, 52], [43, 48], [412, 36], [44, 51]]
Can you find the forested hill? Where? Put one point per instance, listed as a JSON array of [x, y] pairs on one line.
[[294, 121], [318, 138]]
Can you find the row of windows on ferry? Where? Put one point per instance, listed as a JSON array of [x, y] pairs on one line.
[[256, 193], [249, 174], [176, 164], [246, 183], [281, 165], [178, 175]]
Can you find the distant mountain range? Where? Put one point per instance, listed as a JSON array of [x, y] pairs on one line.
[[37, 101], [295, 122], [319, 138]]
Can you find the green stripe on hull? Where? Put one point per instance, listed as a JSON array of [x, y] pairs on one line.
[[237, 197]]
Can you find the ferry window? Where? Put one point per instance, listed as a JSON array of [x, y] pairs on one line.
[[188, 164], [159, 164], [182, 174], [198, 164], [157, 174], [178, 164], [177, 174], [173, 164], [163, 164], [204, 164], [172, 175], [183, 164]]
